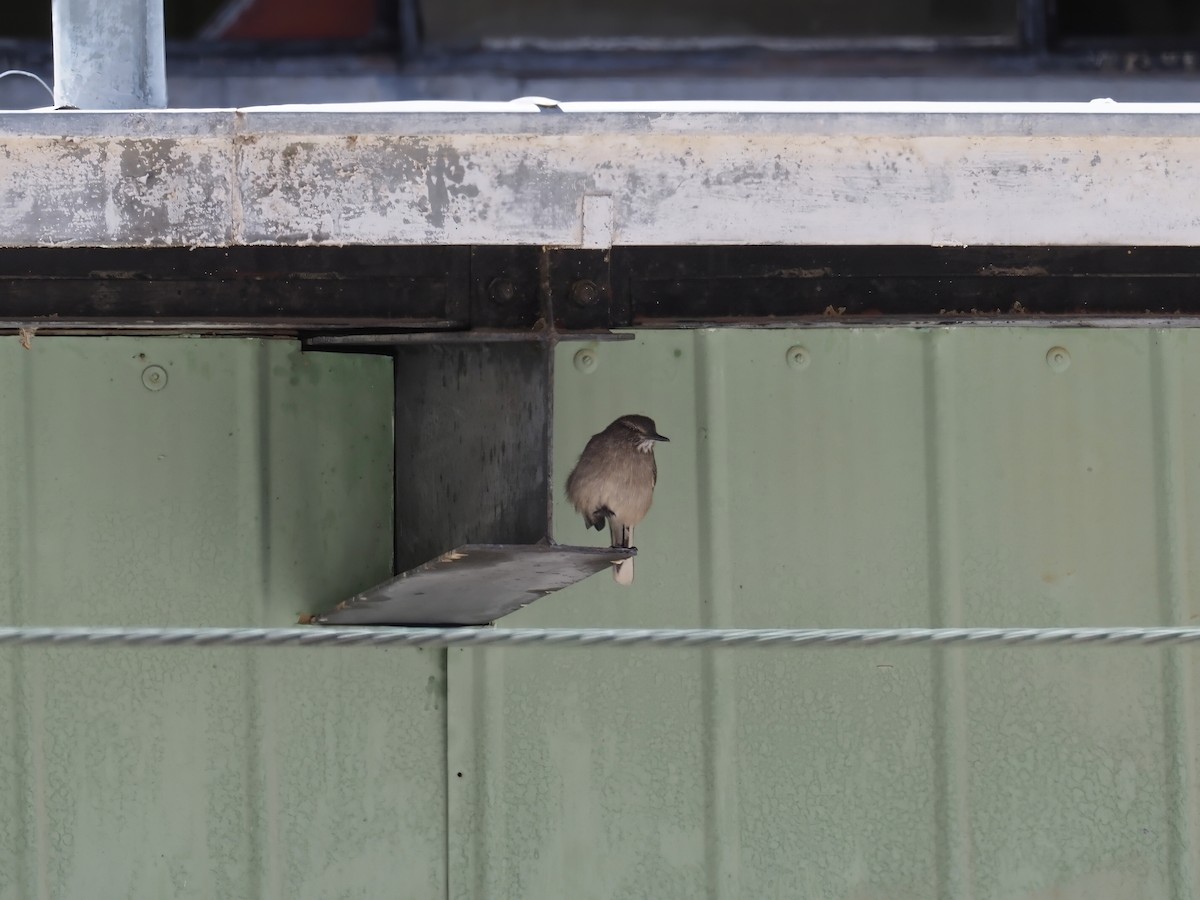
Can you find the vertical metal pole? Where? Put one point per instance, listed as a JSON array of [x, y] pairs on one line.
[[408, 27], [1033, 24], [109, 54]]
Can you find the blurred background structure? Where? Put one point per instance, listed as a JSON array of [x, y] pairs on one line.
[[255, 52]]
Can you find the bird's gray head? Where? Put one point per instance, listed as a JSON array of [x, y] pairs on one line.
[[638, 430]]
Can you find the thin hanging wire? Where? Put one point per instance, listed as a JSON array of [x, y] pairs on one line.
[[8, 72]]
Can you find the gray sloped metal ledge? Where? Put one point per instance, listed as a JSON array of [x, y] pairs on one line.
[[475, 584], [601, 175]]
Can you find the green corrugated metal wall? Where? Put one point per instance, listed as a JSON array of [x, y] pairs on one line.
[[254, 486], [878, 477]]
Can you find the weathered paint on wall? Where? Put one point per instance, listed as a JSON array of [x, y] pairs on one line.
[[893, 476], [254, 486], [832, 174]]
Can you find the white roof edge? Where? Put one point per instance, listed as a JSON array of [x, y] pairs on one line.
[[1100, 105], [754, 107], [541, 116]]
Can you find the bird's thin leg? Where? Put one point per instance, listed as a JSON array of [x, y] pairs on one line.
[[623, 570], [622, 534]]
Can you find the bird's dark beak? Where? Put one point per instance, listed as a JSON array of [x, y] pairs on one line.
[[658, 437]]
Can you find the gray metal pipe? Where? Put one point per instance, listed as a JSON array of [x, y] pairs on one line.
[[109, 54]]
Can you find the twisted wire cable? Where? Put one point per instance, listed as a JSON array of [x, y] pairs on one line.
[[810, 638]]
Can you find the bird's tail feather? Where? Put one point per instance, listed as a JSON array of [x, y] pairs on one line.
[[623, 572]]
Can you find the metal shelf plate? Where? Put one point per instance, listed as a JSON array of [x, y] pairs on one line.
[[474, 584]]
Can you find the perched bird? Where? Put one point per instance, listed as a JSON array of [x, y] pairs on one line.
[[614, 482]]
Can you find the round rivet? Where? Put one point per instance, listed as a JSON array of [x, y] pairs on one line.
[[1057, 358], [154, 378], [585, 293], [585, 360], [502, 291], [798, 357]]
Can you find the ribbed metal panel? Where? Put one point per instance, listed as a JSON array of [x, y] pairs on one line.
[[872, 477], [818, 477], [255, 486]]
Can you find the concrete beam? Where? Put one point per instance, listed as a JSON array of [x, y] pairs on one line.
[[678, 174]]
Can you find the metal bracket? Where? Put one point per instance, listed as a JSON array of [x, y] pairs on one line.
[[475, 584], [505, 287], [580, 287]]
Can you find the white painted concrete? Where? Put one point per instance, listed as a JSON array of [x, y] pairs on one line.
[[709, 173]]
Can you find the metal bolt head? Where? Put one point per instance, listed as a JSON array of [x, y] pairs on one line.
[[585, 293], [586, 360], [1058, 359], [798, 357], [154, 378], [501, 290]]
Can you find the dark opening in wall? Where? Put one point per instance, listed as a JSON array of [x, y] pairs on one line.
[[463, 21], [259, 20], [1129, 18]]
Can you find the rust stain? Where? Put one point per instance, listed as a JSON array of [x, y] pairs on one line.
[[1013, 270], [823, 272]]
